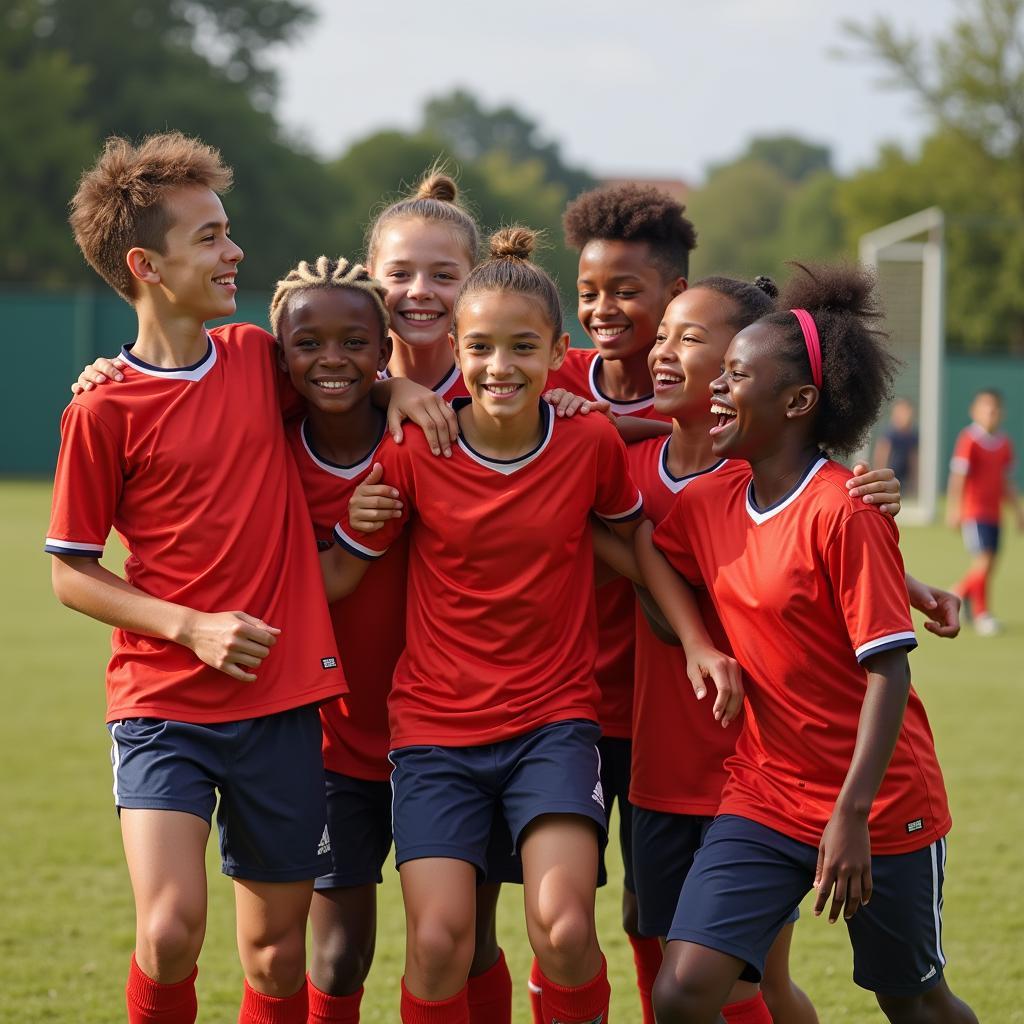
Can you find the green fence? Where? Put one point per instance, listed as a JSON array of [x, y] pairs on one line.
[[50, 336]]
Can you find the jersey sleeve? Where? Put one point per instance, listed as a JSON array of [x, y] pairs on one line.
[[86, 487], [618, 499], [394, 460], [672, 540], [869, 583], [961, 460]]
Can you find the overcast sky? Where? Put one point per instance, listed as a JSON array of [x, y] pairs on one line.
[[632, 87]]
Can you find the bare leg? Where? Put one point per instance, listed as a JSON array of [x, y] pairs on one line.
[[165, 851], [788, 1003], [270, 924], [559, 854], [344, 936], [694, 983], [486, 950], [936, 1006], [440, 914]]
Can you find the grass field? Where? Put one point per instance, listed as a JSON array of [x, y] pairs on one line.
[[66, 928]]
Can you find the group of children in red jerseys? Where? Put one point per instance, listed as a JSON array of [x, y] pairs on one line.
[[737, 682]]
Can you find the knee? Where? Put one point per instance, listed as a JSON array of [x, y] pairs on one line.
[[276, 966], [439, 946], [630, 913], [567, 936], [169, 940], [677, 1001], [936, 1006], [341, 961]]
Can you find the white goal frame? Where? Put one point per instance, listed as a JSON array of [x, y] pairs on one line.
[[901, 241]]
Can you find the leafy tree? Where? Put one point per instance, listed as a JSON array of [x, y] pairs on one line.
[[794, 158], [472, 132], [972, 84]]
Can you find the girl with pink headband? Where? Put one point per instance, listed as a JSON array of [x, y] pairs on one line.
[[834, 784]]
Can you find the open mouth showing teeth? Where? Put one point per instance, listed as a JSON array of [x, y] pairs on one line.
[[725, 416], [422, 317], [502, 389], [667, 379], [609, 332], [333, 385], [225, 279]]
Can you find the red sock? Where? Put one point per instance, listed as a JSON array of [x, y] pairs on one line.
[[325, 1009], [647, 957], [534, 988], [150, 1002], [584, 1004], [442, 1011], [980, 593], [258, 1008], [749, 1011], [490, 994]]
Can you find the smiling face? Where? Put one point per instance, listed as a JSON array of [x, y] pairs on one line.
[[196, 271], [688, 352], [622, 296], [422, 265], [752, 409], [332, 346], [505, 348]]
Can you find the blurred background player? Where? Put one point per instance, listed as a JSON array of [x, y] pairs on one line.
[[980, 480], [897, 445]]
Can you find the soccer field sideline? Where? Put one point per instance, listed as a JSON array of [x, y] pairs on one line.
[[68, 928]]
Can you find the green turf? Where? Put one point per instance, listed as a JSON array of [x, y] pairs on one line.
[[66, 926]]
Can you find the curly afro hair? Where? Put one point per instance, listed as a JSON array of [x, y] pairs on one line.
[[634, 213], [857, 368]]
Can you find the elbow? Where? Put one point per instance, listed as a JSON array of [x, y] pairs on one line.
[[61, 581]]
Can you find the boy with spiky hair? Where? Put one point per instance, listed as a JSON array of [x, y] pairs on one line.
[[223, 647], [634, 244]]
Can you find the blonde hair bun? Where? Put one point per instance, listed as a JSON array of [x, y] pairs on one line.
[[512, 243], [439, 186]]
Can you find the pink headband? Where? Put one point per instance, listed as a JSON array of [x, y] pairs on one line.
[[812, 342]]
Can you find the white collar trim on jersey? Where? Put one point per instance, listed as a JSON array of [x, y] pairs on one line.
[[442, 387], [676, 483], [509, 466], [619, 406], [984, 438], [763, 515], [345, 472], [197, 371]]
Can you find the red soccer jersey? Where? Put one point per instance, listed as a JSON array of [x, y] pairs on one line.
[[616, 604], [192, 469], [985, 460], [680, 750], [369, 625], [807, 589], [500, 633]]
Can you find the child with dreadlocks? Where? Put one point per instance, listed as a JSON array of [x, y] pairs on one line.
[[833, 783], [331, 322], [493, 705]]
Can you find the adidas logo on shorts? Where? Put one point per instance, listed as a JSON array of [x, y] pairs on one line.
[[325, 843], [598, 797]]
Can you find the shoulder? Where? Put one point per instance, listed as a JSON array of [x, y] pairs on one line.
[[579, 358], [646, 452], [840, 511], [246, 340]]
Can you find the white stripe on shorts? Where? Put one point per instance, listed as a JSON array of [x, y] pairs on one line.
[[937, 849], [115, 757]]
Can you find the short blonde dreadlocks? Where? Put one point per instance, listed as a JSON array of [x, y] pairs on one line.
[[328, 273]]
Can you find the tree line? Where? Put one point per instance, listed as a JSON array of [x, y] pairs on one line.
[[74, 73]]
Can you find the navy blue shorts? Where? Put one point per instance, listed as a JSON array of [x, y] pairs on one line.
[[359, 820], [445, 798], [664, 845], [746, 879], [980, 538], [616, 772], [272, 816]]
